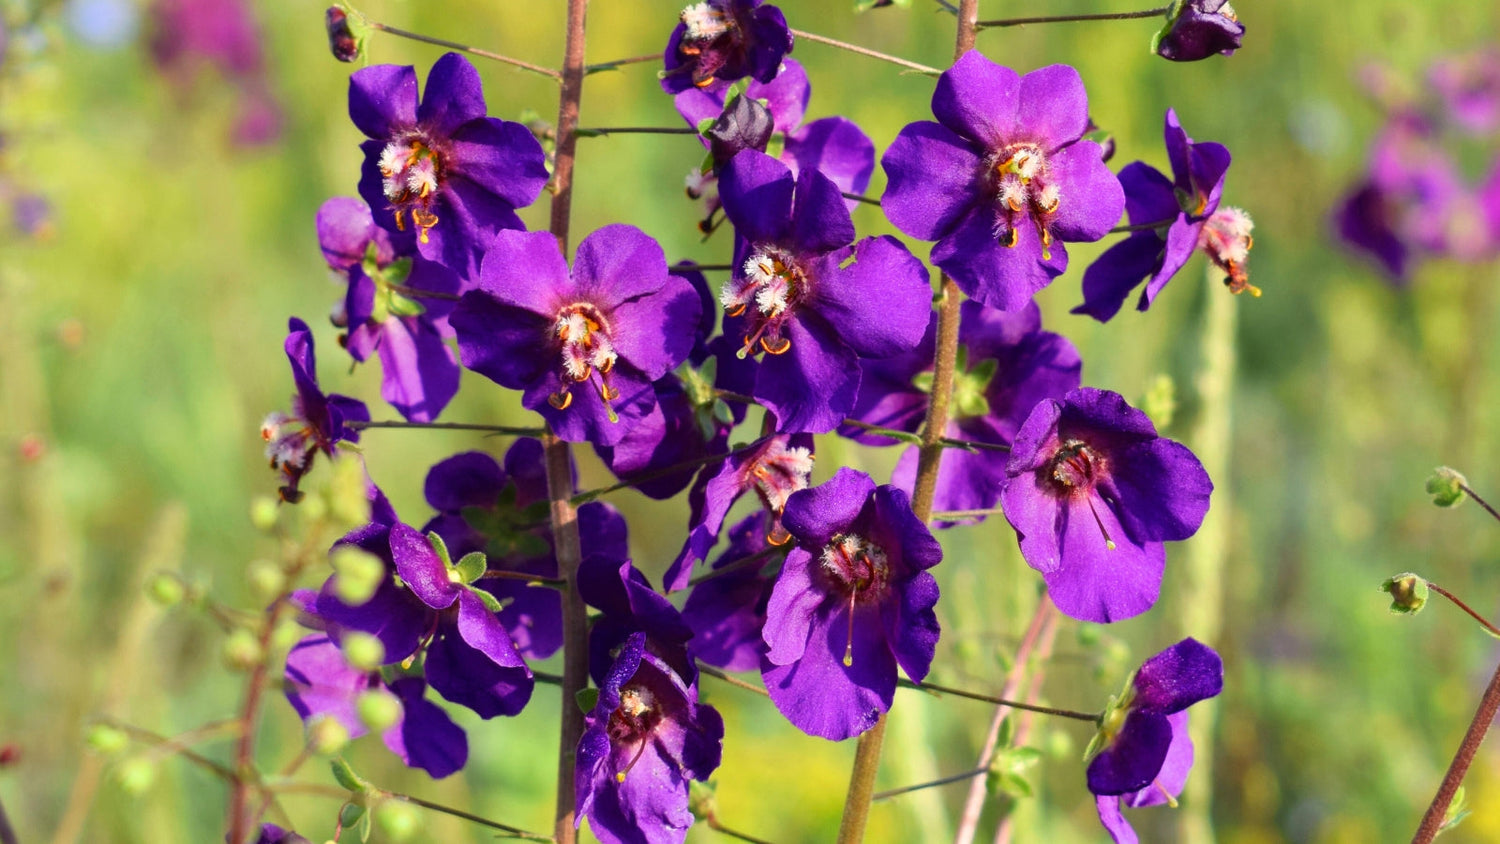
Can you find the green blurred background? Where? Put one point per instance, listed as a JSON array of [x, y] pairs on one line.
[[140, 346]]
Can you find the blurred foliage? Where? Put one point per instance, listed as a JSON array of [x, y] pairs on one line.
[[141, 345]]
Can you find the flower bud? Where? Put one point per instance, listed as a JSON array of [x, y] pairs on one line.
[[242, 651], [266, 578], [745, 124], [362, 650], [1196, 29], [357, 574], [327, 736], [263, 512], [165, 589], [378, 709], [1408, 593], [341, 39], [398, 820], [1446, 487], [136, 775], [102, 738]]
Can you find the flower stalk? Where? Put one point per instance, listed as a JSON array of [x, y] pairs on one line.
[[1102, 16], [864, 51], [464, 48], [1489, 705]]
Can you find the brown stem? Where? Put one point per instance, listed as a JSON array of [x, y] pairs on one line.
[[464, 48], [1432, 822], [713, 824], [240, 818], [859, 197], [603, 131], [359, 425], [611, 65], [1091, 717], [907, 789], [1480, 501], [715, 673], [1105, 16], [512, 832], [1140, 227], [864, 51], [1458, 602]]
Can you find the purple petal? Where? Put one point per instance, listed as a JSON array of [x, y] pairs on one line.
[[1174, 771], [1108, 281], [425, 737], [795, 602], [1088, 580], [1179, 677], [421, 568], [933, 180], [587, 419], [882, 302], [1182, 240], [837, 148], [501, 156], [1114, 821], [383, 100], [1092, 199], [820, 219], [476, 665], [814, 515], [756, 191], [998, 276], [394, 616], [345, 228], [504, 343], [469, 215], [728, 613], [453, 96], [420, 371], [811, 388], [1053, 108], [656, 332], [911, 625], [1149, 195], [1135, 757], [319, 682], [980, 100], [786, 95], [821, 695], [1159, 489], [470, 479], [618, 263]]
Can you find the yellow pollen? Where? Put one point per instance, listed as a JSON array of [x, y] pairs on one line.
[[786, 344]]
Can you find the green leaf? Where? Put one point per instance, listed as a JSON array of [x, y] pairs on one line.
[[471, 567], [1015, 785], [491, 603], [440, 548], [350, 814], [587, 699], [346, 776], [402, 306]]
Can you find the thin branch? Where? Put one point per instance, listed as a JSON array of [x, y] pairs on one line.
[[1480, 501], [1106, 16], [687, 265], [240, 817], [604, 131], [418, 293], [512, 831], [646, 477], [864, 51], [1493, 630], [1437, 811], [713, 824], [1140, 227], [1091, 717], [533, 579], [156, 739], [611, 65], [447, 426], [956, 515], [907, 789], [743, 562], [859, 197], [715, 673], [464, 48]]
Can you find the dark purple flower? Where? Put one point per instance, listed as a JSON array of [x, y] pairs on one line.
[[382, 313], [585, 346], [629, 605], [1002, 178], [1366, 219], [1007, 365], [728, 611], [725, 40], [1197, 29], [272, 834], [795, 296], [833, 145], [1142, 753], [1469, 85], [342, 41], [1183, 205], [853, 601], [486, 508], [645, 739], [773, 468], [316, 422], [442, 167], [1092, 493], [744, 124], [321, 684]]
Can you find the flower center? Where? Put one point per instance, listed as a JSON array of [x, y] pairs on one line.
[[859, 567], [712, 38], [1226, 239], [584, 352], [633, 721], [411, 173], [1024, 193], [776, 474], [1077, 466], [773, 282]]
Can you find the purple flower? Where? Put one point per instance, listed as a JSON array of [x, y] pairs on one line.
[[321, 684], [1002, 178], [725, 40], [793, 297], [629, 605], [1142, 753], [1183, 205], [189, 35], [833, 145], [272, 834], [1092, 493], [1469, 85], [773, 468], [382, 313], [1007, 365], [441, 166], [32, 216], [853, 601], [316, 422], [644, 740], [1197, 29], [584, 347], [728, 611]]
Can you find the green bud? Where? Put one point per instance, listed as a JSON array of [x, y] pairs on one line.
[[1160, 401], [1456, 811], [346, 776], [263, 512], [136, 775], [587, 698], [312, 508], [357, 574], [703, 799], [348, 500], [242, 650], [102, 738], [397, 819], [266, 578], [1446, 486], [165, 589], [350, 814], [1408, 593], [378, 709], [362, 650], [326, 736]]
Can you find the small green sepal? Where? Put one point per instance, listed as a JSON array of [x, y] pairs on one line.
[[587, 699], [472, 566], [1446, 486], [346, 776], [1408, 593]]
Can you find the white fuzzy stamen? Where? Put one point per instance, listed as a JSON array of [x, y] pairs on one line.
[[704, 22], [393, 158]]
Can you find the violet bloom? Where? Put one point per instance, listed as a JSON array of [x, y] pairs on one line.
[[773, 468], [317, 421], [1197, 29], [1007, 364], [1002, 178], [833, 145], [272, 834], [584, 347], [442, 167], [728, 611], [1092, 493], [725, 40], [319, 683], [853, 601], [32, 216], [645, 739], [628, 605], [795, 296], [1184, 205], [382, 313], [1469, 85], [188, 35], [1142, 753]]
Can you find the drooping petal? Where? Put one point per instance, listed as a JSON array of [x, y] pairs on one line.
[[1114, 821], [795, 600], [1179, 677], [475, 664], [911, 626], [1108, 281], [420, 372], [425, 737], [1135, 756], [821, 695], [1089, 580]]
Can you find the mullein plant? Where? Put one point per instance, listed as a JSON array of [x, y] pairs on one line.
[[829, 587]]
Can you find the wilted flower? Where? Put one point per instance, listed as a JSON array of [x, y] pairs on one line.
[[725, 40], [1197, 29], [316, 422]]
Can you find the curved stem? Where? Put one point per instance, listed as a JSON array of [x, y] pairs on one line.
[[611, 65], [464, 48], [448, 426], [1437, 811], [1480, 501], [907, 789], [1104, 16], [502, 574], [1091, 717], [240, 818], [744, 562], [1140, 227], [705, 668], [512, 832], [1493, 631], [603, 131], [637, 479], [864, 51], [713, 824], [859, 197]]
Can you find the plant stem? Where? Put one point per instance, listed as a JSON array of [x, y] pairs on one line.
[[955, 515], [1480, 501], [1106, 16], [907, 789], [715, 673], [713, 824], [863, 51], [637, 479], [1432, 821], [611, 65], [1091, 717], [514, 832], [859, 197], [602, 131], [688, 265], [1494, 631], [743, 562], [418, 293], [564, 518], [244, 754], [448, 426], [502, 574], [1140, 227], [1006, 828], [464, 48]]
